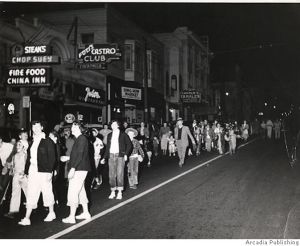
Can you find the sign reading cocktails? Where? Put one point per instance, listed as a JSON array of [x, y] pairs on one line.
[[96, 56]]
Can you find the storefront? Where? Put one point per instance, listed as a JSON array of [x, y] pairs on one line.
[[156, 104], [126, 100], [85, 103]]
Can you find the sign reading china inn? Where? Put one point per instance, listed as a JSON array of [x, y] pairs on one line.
[[23, 77], [96, 56]]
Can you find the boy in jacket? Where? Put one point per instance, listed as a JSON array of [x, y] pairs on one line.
[[117, 151], [41, 159]]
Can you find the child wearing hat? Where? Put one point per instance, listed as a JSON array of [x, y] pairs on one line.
[[137, 155]]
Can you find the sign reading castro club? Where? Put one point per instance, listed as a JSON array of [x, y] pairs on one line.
[[96, 56]]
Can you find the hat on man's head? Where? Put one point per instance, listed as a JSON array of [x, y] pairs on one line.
[[179, 119], [95, 130], [130, 129]]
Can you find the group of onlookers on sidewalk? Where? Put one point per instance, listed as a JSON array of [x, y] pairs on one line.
[[72, 152]]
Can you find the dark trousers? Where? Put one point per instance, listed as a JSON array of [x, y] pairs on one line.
[[116, 166]]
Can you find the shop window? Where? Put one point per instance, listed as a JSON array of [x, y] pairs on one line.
[[87, 38], [173, 84]]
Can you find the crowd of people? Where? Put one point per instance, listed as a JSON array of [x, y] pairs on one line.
[[73, 152]]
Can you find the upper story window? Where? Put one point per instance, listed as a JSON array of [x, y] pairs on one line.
[[138, 58], [87, 38], [149, 64], [128, 56]]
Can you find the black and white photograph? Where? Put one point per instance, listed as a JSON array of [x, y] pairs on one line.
[[150, 120]]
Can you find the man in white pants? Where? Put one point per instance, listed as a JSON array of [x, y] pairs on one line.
[[42, 160], [79, 167]]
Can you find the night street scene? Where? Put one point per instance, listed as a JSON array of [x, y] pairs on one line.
[[150, 121]]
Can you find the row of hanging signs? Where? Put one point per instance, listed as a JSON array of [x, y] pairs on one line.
[[30, 65]]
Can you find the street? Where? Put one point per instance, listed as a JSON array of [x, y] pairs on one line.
[[253, 194]]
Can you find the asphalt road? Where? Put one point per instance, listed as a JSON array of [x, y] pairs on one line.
[[253, 194]]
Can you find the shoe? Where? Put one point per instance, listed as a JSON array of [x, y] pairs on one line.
[[83, 216], [119, 196], [25, 222], [50, 217], [9, 215], [112, 195], [69, 220], [134, 187], [96, 186]]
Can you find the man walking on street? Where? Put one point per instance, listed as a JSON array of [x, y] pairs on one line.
[[117, 151], [269, 126], [42, 161], [277, 127], [181, 135]]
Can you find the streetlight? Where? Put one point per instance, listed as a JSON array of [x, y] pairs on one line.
[[266, 104], [274, 107], [227, 94]]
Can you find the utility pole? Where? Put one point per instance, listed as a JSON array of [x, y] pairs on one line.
[[146, 83]]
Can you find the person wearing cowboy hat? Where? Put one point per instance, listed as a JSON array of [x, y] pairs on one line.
[[182, 133], [137, 155]]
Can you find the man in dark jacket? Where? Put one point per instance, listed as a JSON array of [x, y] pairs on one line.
[[80, 165], [117, 151], [42, 159]]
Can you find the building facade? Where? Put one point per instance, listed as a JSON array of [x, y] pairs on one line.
[[117, 91], [142, 56], [187, 69]]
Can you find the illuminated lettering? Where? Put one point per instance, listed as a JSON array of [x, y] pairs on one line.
[[35, 49]]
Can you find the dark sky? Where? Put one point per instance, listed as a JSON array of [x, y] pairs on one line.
[[264, 39]]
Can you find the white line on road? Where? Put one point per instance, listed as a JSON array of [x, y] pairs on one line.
[[97, 216]]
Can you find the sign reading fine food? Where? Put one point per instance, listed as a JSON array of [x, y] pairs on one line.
[[19, 77], [131, 93], [97, 54]]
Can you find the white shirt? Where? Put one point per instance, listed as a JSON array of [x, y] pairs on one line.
[[98, 145], [5, 151], [33, 151], [114, 146], [19, 162]]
